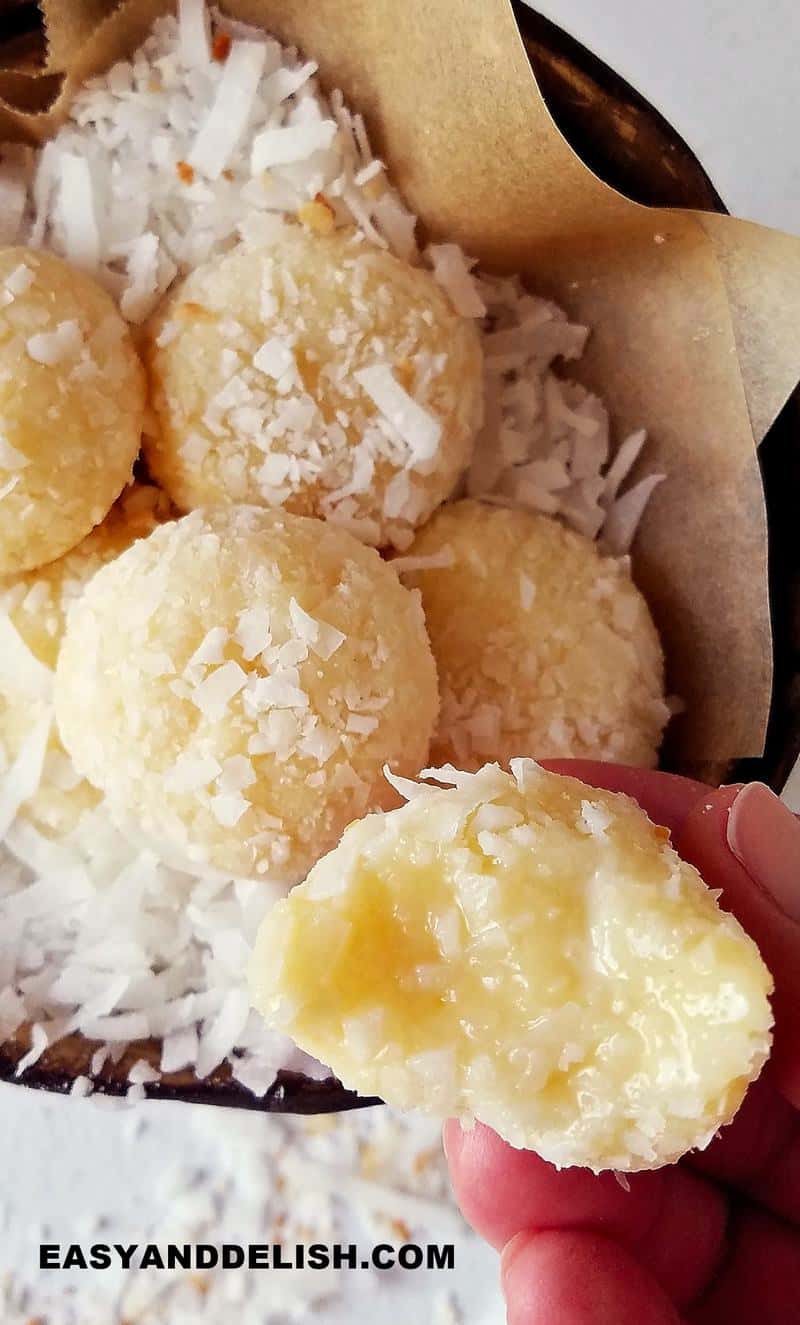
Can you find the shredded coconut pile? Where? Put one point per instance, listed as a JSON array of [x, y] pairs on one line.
[[199, 141], [546, 441], [105, 939], [194, 145]]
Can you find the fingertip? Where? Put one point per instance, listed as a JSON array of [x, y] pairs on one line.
[[745, 842], [476, 1158], [578, 1278]]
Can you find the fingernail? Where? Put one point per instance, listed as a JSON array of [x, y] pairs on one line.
[[764, 836], [510, 1253], [451, 1135]]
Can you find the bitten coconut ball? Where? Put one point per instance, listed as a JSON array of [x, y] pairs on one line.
[[33, 609], [72, 395], [544, 647], [527, 951], [235, 682], [319, 374]]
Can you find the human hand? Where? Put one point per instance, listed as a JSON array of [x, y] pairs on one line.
[[714, 1240]]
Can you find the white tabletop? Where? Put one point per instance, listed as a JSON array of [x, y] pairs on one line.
[[725, 73]]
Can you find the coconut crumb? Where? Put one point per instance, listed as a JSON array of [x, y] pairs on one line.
[[53, 347], [419, 429]]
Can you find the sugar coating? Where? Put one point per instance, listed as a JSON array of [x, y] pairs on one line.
[[524, 950], [72, 394], [256, 360], [34, 605], [544, 647], [236, 681]]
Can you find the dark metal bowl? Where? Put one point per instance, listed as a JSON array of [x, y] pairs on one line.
[[632, 147]]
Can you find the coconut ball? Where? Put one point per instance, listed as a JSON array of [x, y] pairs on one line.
[[236, 681], [524, 950], [33, 609], [544, 647], [318, 374], [72, 395]]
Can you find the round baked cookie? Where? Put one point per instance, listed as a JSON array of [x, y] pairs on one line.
[[72, 395], [527, 951], [318, 374], [33, 608], [235, 683], [544, 647]]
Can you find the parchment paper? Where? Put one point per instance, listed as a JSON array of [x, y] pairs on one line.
[[694, 316]]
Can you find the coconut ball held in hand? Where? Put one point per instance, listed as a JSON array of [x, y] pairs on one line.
[[236, 682], [525, 950], [317, 373]]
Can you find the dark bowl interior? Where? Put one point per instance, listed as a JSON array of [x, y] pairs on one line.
[[631, 146]]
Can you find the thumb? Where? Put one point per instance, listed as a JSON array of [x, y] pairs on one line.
[[745, 841]]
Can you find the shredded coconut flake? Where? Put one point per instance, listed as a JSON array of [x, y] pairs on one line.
[[10, 458], [20, 279], [436, 561], [52, 347], [231, 110], [451, 269], [213, 695], [295, 142], [418, 428], [275, 358], [22, 779], [195, 33], [624, 516], [78, 212]]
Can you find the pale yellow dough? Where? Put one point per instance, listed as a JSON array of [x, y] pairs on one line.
[[254, 361], [235, 683], [72, 395], [528, 951], [544, 647], [33, 609]]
